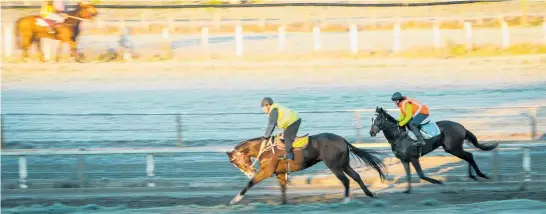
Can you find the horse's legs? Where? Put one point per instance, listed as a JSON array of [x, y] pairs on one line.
[[355, 176], [266, 172], [73, 49], [417, 166], [59, 51], [25, 45], [339, 174], [282, 181], [408, 175], [39, 47], [468, 157], [470, 174]]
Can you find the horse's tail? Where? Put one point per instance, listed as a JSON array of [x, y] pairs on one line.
[[368, 156], [472, 138]]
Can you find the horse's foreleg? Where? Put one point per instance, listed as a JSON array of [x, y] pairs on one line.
[[74, 49], [266, 172], [59, 51], [282, 181], [417, 166], [408, 175]]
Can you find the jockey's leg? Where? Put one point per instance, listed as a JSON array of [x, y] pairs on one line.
[[289, 135], [413, 124]]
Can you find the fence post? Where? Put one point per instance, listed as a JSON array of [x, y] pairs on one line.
[[544, 29], [239, 40], [46, 48], [150, 169], [396, 38], [533, 117], [316, 38], [468, 34], [204, 36], [81, 171], [436, 35], [179, 130], [23, 172], [8, 41], [526, 167], [282, 38], [358, 126], [505, 34], [167, 44], [353, 37]]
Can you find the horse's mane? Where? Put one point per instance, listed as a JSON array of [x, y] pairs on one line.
[[389, 117], [243, 145]]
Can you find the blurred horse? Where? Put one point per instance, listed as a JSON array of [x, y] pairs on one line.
[[30, 29], [332, 149]]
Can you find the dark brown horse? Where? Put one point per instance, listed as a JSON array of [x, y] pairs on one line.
[[28, 31], [332, 149]]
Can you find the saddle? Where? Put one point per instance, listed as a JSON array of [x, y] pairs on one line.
[[299, 143]]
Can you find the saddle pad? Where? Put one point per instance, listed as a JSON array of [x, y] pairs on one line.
[[428, 131], [299, 143]]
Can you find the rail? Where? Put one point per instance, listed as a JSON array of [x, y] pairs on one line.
[[150, 152]]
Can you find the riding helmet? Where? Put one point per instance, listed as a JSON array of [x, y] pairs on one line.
[[267, 101], [397, 96]]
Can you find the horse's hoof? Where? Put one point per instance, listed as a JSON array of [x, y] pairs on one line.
[[236, 200], [407, 191], [484, 176], [371, 195], [473, 177], [346, 200]]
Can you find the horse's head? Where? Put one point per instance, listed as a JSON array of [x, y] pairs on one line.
[[242, 162], [86, 10], [380, 121]]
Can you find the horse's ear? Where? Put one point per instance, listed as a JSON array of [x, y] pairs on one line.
[[228, 154], [381, 109], [377, 109]]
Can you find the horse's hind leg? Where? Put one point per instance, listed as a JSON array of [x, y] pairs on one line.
[[417, 166], [339, 174], [282, 181], [355, 176], [468, 157]]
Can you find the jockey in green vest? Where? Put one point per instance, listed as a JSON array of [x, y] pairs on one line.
[[286, 119]]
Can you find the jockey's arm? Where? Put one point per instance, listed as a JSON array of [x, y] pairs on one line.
[[273, 116], [404, 120]]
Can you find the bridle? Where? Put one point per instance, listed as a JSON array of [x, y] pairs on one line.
[[383, 121], [239, 155]]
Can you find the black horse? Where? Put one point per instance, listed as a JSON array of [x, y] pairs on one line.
[[333, 149], [451, 138]]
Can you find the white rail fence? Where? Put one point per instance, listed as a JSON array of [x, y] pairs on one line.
[[49, 46], [149, 168]]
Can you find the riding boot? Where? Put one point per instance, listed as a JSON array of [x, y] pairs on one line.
[[415, 130]]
